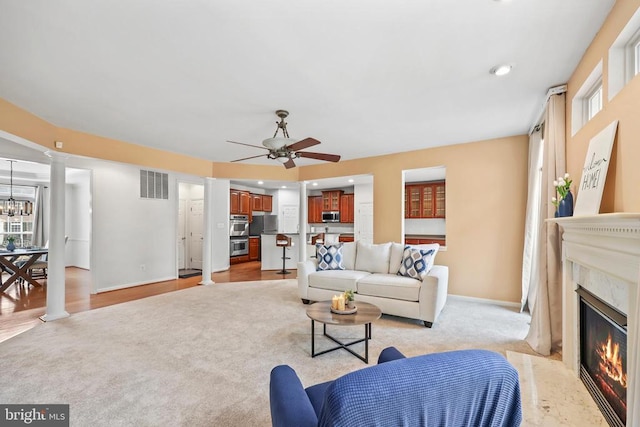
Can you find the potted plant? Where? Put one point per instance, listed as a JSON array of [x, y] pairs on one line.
[[11, 243], [350, 298]]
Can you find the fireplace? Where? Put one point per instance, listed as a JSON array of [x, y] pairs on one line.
[[603, 356], [601, 255]]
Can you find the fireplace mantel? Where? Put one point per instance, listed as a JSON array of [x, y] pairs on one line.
[[606, 245]]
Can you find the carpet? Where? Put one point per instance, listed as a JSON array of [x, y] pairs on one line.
[[202, 356]]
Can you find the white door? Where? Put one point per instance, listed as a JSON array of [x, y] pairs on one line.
[[364, 222], [196, 237], [182, 233]]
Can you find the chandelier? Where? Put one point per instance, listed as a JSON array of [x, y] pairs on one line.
[[10, 207]]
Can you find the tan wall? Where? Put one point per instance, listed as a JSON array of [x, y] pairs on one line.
[[621, 192], [486, 201]]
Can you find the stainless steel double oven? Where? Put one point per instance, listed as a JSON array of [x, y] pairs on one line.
[[238, 235]]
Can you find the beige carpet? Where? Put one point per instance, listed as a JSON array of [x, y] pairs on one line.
[[202, 356]]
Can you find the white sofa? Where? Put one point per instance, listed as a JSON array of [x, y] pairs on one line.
[[371, 272]]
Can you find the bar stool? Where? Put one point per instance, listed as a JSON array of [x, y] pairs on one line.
[[284, 242]]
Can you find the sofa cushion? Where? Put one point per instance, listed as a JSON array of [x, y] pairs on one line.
[[329, 257], [389, 286], [373, 258], [337, 280], [415, 263], [397, 252], [349, 255]]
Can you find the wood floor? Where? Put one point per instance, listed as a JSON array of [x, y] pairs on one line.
[[22, 305]]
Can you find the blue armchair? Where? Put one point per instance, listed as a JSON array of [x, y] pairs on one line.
[[457, 388]]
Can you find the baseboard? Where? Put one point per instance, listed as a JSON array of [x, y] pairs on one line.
[[131, 285], [486, 301]]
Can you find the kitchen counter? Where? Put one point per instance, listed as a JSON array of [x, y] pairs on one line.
[[272, 254]]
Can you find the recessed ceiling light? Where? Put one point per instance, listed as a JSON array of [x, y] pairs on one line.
[[260, 182], [284, 186], [315, 184], [500, 70], [350, 180]]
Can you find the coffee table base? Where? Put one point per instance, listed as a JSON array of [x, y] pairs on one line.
[[343, 345]]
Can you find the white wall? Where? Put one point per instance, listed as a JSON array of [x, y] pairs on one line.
[[133, 239], [78, 218]]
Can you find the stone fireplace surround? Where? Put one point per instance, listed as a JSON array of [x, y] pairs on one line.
[[601, 253]]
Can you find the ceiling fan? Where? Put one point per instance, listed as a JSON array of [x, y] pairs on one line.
[[285, 149]]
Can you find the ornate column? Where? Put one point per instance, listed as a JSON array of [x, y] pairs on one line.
[[207, 232], [56, 263]]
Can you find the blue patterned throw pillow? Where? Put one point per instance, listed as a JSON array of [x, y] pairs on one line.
[[415, 262], [329, 257]]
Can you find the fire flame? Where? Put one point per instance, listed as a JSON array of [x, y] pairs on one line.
[[611, 361]]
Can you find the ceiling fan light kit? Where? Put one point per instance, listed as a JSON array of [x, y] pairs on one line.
[[284, 149]]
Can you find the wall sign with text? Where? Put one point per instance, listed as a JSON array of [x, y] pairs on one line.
[[594, 172]]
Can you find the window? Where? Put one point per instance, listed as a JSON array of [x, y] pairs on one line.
[[593, 101], [588, 100], [624, 56], [18, 226]]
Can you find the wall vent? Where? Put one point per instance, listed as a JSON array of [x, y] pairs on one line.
[[154, 185]]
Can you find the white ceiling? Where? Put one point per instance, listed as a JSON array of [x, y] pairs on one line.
[[365, 77]]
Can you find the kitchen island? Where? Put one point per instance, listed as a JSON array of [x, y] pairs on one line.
[[272, 254]]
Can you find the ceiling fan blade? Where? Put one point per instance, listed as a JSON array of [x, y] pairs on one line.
[[248, 145], [303, 143], [289, 164], [319, 156], [247, 158]]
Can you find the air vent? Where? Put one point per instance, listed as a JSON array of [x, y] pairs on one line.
[[154, 185]]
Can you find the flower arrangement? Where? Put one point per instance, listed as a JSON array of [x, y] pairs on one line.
[[562, 185]]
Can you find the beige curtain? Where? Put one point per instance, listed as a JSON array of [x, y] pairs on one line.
[[545, 333], [533, 222]]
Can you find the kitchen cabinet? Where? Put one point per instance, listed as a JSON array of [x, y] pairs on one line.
[[314, 209], [346, 208], [256, 202], [254, 248], [235, 202], [331, 200], [425, 200], [423, 241], [267, 203], [261, 202], [239, 259], [346, 238], [240, 203]]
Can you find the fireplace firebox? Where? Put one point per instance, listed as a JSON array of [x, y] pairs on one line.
[[603, 356]]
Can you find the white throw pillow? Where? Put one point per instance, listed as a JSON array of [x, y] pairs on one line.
[[349, 255], [373, 258]]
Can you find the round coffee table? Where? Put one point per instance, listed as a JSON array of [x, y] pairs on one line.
[[321, 312]]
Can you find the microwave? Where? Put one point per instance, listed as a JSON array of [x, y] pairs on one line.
[[333, 216]]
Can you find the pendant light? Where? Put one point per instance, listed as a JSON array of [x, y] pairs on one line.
[[10, 207]]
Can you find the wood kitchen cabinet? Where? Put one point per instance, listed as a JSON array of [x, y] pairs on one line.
[[423, 241], [240, 203], [425, 200], [267, 203], [314, 209], [254, 248], [331, 200], [235, 202], [346, 208], [346, 238], [256, 202]]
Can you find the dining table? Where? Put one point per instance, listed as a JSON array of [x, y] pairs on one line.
[[17, 263]]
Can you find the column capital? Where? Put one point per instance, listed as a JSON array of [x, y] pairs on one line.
[[56, 155]]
